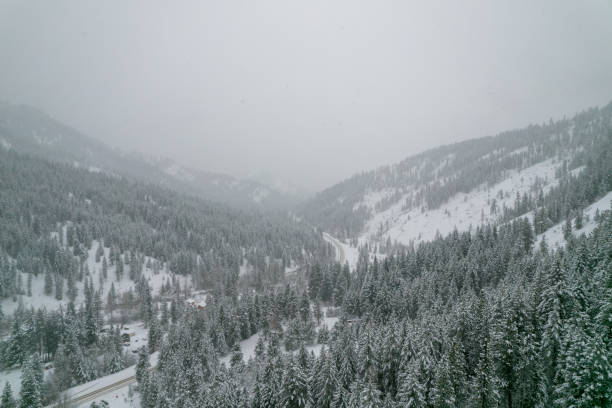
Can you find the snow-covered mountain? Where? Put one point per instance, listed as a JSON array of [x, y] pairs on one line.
[[461, 186], [28, 130]]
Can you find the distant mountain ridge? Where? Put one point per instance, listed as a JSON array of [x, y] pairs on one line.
[[461, 185], [28, 130]]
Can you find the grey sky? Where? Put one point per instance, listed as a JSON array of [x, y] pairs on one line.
[[307, 91]]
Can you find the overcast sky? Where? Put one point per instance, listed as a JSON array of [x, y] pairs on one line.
[[307, 91]]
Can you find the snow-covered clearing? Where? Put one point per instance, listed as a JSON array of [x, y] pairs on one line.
[[554, 235], [40, 300], [247, 347], [13, 377], [462, 211]]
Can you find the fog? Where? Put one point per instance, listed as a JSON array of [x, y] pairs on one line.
[[307, 92]]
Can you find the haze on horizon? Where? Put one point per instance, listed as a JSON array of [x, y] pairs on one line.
[[304, 92]]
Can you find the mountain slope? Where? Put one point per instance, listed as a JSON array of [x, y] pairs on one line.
[[53, 215], [28, 130], [462, 185]]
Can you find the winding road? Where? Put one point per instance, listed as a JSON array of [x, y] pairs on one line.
[[80, 399], [339, 249], [82, 394]]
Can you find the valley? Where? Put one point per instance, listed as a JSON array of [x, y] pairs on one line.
[[119, 290]]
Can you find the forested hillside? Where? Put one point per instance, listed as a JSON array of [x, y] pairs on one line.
[[75, 244], [28, 130], [209, 242], [469, 183], [479, 319], [105, 279]]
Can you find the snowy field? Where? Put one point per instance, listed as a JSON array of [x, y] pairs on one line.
[[13, 377], [554, 235], [462, 211], [40, 300]]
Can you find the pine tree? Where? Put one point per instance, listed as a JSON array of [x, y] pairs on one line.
[[553, 310], [165, 315], [59, 287], [236, 359], [369, 396], [14, 351], [567, 229], [29, 285], [72, 291], [444, 394], [104, 268], [318, 314], [143, 363], [91, 315], [578, 220], [154, 335], [295, 392], [585, 375], [111, 301], [485, 384], [48, 289], [62, 374], [325, 383], [150, 390], [260, 349], [305, 307], [414, 382], [30, 394], [7, 400]]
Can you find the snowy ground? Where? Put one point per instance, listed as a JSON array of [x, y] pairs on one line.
[[13, 377], [326, 321], [554, 235], [40, 300], [462, 211], [117, 398], [139, 336], [248, 346]]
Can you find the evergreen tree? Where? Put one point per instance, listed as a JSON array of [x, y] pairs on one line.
[[295, 392], [585, 375], [29, 285], [325, 383], [59, 287], [7, 400], [485, 384], [567, 229], [104, 268], [31, 387], [143, 363], [370, 397], [48, 288], [72, 289], [111, 301], [154, 335]]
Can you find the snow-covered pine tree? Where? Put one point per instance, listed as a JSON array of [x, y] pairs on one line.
[[7, 400], [31, 385], [295, 392]]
